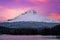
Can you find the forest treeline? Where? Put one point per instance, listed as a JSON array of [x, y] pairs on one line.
[[30, 31]]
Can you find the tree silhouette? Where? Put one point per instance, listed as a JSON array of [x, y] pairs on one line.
[[31, 31]]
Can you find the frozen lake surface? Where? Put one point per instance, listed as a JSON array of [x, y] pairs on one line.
[[27, 37]]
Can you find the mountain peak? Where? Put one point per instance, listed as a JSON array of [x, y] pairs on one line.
[[32, 11], [32, 15]]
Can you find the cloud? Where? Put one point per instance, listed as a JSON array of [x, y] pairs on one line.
[[55, 16], [10, 13], [38, 1], [7, 13], [16, 0]]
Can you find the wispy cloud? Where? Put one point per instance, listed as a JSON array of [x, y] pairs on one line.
[[55, 15], [38, 1]]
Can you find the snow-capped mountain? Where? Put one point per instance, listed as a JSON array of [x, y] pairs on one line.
[[34, 16], [30, 19]]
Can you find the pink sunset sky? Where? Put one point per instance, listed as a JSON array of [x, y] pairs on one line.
[[12, 8]]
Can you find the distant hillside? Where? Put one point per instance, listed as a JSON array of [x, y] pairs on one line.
[[28, 24]]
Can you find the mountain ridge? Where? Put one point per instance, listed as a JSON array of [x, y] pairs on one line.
[[32, 15], [30, 19]]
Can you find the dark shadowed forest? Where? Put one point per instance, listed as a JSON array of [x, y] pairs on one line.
[[31, 31]]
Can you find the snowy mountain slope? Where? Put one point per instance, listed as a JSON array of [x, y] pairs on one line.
[[32, 15], [30, 19]]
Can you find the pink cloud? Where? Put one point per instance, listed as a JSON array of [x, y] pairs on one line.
[[10, 13], [55, 15], [16, 0], [38, 1]]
